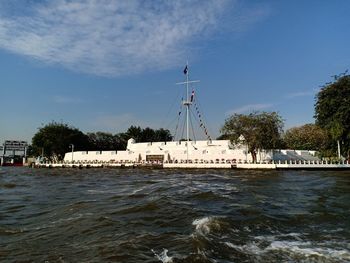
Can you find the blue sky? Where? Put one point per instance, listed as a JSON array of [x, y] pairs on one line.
[[106, 65]]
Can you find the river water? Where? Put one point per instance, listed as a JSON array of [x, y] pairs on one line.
[[143, 215]]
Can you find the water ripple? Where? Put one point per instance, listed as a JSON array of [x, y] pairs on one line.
[[136, 215]]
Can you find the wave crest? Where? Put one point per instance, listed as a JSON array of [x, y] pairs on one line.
[[206, 224]]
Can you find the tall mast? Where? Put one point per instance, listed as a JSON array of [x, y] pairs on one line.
[[187, 109], [187, 104]]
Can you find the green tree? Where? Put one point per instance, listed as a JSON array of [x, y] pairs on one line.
[[306, 137], [223, 137], [134, 132], [55, 139], [332, 111], [162, 135], [260, 130], [146, 134], [30, 151], [104, 141]]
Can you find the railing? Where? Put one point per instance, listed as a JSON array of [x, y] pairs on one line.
[[270, 164], [190, 161]]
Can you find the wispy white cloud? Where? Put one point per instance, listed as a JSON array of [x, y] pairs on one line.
[[113, 38], [249, 108]]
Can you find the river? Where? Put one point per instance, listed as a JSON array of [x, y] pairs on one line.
[[145, 215]]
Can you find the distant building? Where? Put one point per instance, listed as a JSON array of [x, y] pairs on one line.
[[213, 151], [13, 153]]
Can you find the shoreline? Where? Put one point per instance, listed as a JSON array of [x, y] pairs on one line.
[[253, 166]]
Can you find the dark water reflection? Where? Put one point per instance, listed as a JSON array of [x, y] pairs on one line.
[[122, 215]]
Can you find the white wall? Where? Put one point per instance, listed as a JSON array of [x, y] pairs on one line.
[[200, 150]]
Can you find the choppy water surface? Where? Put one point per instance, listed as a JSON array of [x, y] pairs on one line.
[[122, 215]]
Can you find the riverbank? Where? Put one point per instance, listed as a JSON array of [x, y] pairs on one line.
[[297, 165]]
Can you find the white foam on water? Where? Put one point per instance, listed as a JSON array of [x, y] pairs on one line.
[[202, 224], [63, 220], [163, 256], [293, 234], [271, 238], [205, 225], [265, 238], [296, 236], [137, 190], [13, 231], [250, 248], [307, 249], [235, 230], [229, 244], [334, 230], [247, 229], [92, 191]]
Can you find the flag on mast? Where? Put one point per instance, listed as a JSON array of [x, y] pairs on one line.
[[185, 70], [192, 95]]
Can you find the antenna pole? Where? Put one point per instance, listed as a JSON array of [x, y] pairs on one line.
[[187, 110], [187, 104]]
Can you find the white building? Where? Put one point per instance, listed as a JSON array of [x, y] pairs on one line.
[[179, 152], [205, 151]]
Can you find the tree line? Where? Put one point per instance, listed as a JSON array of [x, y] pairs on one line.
[[259, 130], [55, 139], [329, 134]]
